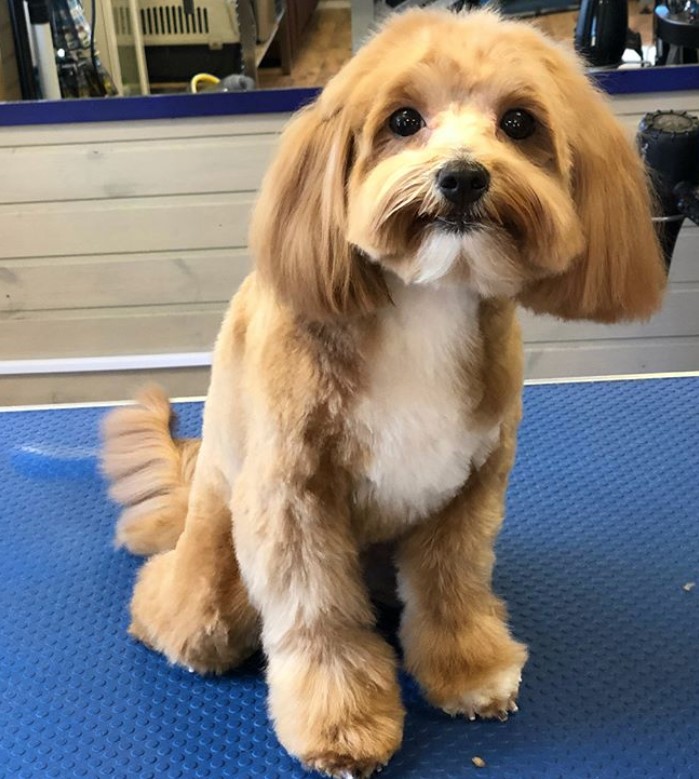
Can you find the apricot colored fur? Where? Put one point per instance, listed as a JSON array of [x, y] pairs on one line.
[[366, 384]]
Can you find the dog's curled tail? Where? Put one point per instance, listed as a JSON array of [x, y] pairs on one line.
[[149, 471]]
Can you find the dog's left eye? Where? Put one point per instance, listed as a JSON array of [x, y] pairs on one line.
[[405, 121], [518, 124]]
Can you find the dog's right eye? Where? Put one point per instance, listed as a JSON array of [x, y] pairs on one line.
[[405, 121], [518, 124]]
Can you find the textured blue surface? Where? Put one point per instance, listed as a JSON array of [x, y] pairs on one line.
[[602, 533]]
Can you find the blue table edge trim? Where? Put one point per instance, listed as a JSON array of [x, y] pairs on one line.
[[274, 101]]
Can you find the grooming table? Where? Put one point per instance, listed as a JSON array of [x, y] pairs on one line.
[[601, 538]]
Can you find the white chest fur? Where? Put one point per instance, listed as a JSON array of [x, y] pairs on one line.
[[414, 418]]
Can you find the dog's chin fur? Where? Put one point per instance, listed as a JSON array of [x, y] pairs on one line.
[[473, 257], [366, 383]]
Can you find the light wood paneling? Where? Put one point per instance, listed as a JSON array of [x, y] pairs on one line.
[[685, 263], [112, 331], [679, 316], [106, 281], [146, 287], [147, 130], [632, 107], [129, 238], [87, 387], [558, 360], [124, 225], [611, 358], [126, 169]]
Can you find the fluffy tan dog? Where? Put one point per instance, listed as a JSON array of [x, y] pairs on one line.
[[367, 378]]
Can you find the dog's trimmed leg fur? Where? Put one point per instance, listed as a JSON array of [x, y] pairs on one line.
[[333, 690], [190, 603], [454, 630]]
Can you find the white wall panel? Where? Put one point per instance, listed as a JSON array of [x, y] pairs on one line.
[[125, 169], [82, 227], [109, 280]]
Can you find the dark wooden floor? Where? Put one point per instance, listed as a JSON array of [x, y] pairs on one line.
[[329, 44]]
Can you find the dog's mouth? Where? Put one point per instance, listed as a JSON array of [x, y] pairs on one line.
[[405, 230], [459, 224]]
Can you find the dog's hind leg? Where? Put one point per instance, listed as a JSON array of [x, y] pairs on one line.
[[190, 603], [150, 473]]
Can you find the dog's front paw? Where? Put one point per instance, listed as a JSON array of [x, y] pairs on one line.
[[352, 743], [492, 696], [342, 717], [349, 746], [475, 672], [340, 766]]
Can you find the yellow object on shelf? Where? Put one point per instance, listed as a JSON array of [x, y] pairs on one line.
[[202, 78]]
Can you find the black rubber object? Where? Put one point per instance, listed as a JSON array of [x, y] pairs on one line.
[[39, 11], [687, 201], [600, 32], [669, 144]]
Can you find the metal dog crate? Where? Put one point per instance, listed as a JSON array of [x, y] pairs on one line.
[[184, 38]]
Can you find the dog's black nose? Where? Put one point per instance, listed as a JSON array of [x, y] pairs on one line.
[[463, 183]]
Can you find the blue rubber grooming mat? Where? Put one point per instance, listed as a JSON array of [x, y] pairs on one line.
[[602, 535]]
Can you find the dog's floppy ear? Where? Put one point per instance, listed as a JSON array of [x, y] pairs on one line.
[[620, 274], [298, 233]]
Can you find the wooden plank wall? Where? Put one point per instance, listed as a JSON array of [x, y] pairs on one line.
[[128, 238]]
